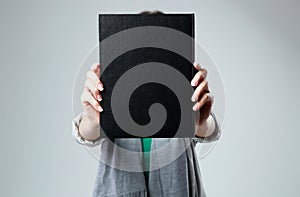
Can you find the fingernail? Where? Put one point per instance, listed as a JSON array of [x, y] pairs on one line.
[[99, 98], [100, 109], [193, 83], [195, 107], [193, 99], [100, 87]]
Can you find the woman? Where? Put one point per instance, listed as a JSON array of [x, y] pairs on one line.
[[113, 182]]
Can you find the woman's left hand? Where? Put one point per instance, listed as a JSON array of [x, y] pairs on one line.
[[202, 97]]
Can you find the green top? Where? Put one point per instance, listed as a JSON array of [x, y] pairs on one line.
[[146, 145]]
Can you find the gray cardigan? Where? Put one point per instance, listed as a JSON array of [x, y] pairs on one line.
[[174, 171]]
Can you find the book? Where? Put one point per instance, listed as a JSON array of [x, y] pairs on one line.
[[138, 54]]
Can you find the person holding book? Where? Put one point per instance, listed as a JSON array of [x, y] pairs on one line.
[[180, 178]]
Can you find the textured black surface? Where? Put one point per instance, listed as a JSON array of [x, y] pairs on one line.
[[147, 94]]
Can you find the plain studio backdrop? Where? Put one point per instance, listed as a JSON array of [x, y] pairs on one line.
[[255, 44]]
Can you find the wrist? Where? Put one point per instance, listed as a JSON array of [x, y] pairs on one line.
[[89, 129], [90, 123], [205, 129]]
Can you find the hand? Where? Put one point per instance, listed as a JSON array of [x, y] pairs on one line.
[[91, 96], [202, 96]]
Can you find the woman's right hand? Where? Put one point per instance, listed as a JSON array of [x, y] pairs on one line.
[[90, 100]]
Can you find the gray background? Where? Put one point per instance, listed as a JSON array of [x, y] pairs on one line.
[[256, 45]]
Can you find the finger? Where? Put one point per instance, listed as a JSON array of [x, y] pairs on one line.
[[95, 67], [200, 75], [207, 97], [197, 66], [95, 79], [88, 99], [199, 90], [90, 86]]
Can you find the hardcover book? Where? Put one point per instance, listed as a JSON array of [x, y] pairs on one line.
[[146, 68]]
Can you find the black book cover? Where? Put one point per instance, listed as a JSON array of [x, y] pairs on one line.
[[115, 37]]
